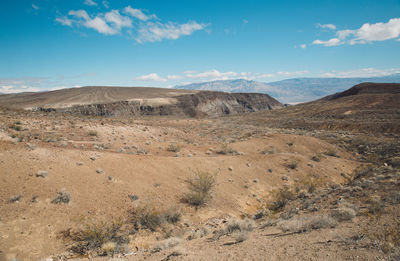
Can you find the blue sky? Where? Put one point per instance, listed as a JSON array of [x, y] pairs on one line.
[[52, 44]]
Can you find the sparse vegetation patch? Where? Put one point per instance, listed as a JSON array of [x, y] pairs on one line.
[[200, 188]]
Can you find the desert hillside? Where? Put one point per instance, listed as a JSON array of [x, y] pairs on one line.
[[367, 107], [137, 101], [230, 188]]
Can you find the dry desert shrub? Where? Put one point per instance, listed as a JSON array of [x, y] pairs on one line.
[[309, 183], [239, 228], [332, 152], [174, 148], [200, 189], [343, 213], [226, 150], [387, 238], [93, 133], [166, 244], [304, 224], [148, 216], [280, 198], [103, 238]]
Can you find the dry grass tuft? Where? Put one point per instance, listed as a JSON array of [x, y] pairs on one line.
[[239, 228], [304, 224]]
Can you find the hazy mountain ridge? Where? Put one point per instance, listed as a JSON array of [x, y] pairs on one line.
[[291, 90]]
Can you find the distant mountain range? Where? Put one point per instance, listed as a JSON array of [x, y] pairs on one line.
[[291, 90]]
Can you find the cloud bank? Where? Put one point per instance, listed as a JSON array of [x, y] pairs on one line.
[[129, 21], [367, 33]]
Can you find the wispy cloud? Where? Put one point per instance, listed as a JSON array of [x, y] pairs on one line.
[[90, 3], [17, 85], [35, 7], [292, 74], [367, 33], [118, 20], [327, 26], [330, 42], [136, 13], [147, 27], [303, 46], [214, 74], [152, 77], [364, 72], [156, 31]]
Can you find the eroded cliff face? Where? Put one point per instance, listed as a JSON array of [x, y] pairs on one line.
[[202, 104]]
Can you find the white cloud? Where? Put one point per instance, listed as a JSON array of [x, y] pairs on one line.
[[291, 74], [174, 77], [213, 74], [17, 85], [378, 31], [90, 3], [365, 72], [190, 72], [367, 33], [11, 89], [64, 21], [105, 3], [152, 77], [265, 75], [118, 20], [156, 31], [99, 25], [108, 24], [327, 26], [35, 7], [148, 28], [330, 42], [138, 14], [79, 14], [303, 46]]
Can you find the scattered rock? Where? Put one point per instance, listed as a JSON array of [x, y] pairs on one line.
[[230, 168], [79, 163], [31, 146], [100, 171], [62, 198], [15, 198], [286, 178], [34, 199], [255, 180], [133, 197], [42, 173]]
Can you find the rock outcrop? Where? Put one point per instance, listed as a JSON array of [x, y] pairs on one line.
[[201, 104]]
